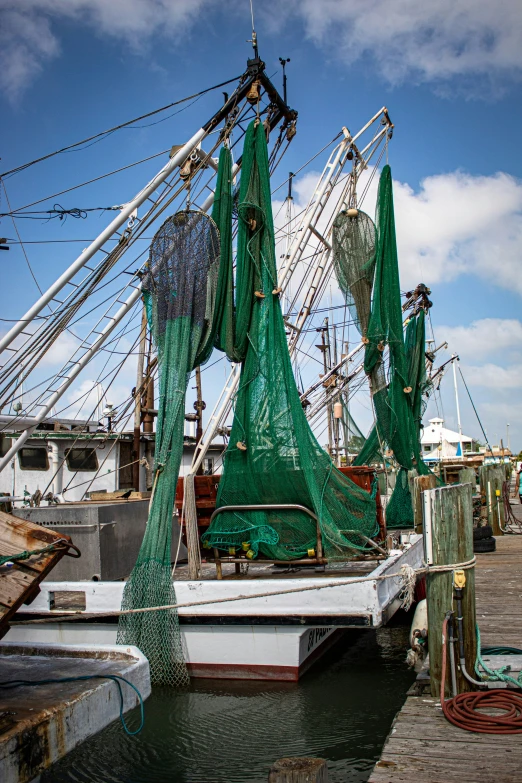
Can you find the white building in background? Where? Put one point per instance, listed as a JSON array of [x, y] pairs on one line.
[[438, 441]]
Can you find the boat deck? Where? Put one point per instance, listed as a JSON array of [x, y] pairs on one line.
[[262, 571], [423, 747]]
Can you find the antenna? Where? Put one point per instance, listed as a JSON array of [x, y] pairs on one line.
[[253, 40], [283, 63]]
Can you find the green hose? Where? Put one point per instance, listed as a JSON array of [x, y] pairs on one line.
[[496, 674], [500, 651], [114, 677]]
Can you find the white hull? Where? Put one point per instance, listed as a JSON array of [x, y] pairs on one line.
[[270, 637], [232, 652]]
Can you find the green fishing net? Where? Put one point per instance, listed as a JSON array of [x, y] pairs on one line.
[[180, 297], [353, 247], [273, 456], [398, 396]]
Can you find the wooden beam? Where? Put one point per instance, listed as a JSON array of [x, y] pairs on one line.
[[421, 483], [450, 509]]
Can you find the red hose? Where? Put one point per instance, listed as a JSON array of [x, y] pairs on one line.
[[463, 710]]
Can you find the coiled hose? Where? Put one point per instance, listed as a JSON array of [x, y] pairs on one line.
[[465, 709]]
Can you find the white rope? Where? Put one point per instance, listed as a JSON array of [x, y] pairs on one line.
[[406, 573]]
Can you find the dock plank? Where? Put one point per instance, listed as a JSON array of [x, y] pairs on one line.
[[423, 747]]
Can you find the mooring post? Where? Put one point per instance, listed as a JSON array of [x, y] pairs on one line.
[[420, 483], [299, 770], [468, 476], [491, 480], [448, 521]]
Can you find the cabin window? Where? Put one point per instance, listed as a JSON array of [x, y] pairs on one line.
[[208, 466], [81, 459], [5, 445], [33, 458]]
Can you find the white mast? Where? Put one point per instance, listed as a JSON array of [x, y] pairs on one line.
[[100, 240], [454, 362]]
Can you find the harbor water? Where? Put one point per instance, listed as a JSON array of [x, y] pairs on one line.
[[225, 731]]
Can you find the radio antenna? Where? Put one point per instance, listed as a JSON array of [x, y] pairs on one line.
[[253, 40]]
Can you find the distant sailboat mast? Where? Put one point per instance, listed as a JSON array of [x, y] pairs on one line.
[[455, 359]]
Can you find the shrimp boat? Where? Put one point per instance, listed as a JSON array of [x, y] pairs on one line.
[[262, 587]]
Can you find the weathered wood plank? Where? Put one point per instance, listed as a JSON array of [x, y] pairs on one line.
[[420, 483], [19, 580], [423, 747], [452, 536]]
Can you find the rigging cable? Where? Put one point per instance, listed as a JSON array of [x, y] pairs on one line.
[[59, 212], [90, 181], [116, 128], [473, 404], [20, 238]]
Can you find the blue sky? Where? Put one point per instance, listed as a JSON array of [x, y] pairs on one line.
[[450, 75]]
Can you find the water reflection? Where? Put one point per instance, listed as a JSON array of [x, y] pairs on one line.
[[231, 731]]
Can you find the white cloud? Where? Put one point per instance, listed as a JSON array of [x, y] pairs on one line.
[[458, 223], [26, 44], [454, 224], [61, 350], [493, 376], [487, 337], [408, 39], [28, 40], [405, 39]]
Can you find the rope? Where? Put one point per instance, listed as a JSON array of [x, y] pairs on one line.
[[405, 574], [8, 684], [498, 675], [32, 552], [465, 709], [512, 523]]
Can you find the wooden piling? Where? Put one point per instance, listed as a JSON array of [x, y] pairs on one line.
[[299, 770], [468, 476], [420, 483], [451, 514], [492, 478]]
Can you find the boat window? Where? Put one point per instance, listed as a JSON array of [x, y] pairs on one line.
[[81, 459], [5, 445], [33, 458]]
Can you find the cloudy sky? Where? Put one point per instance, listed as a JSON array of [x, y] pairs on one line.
[[449, 72]]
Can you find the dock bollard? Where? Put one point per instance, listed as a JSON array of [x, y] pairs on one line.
[[299, 770]]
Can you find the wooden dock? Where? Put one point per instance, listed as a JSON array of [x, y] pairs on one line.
[[423, 747]]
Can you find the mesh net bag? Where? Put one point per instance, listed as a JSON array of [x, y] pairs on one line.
[[398, 400], [179, 292], [353, 244], [273, 456]]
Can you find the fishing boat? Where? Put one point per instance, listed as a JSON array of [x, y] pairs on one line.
[[267, 565]]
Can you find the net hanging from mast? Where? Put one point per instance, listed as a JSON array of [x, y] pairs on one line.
[[180, 297], [353, 245], [397, 397], [273, 456]]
